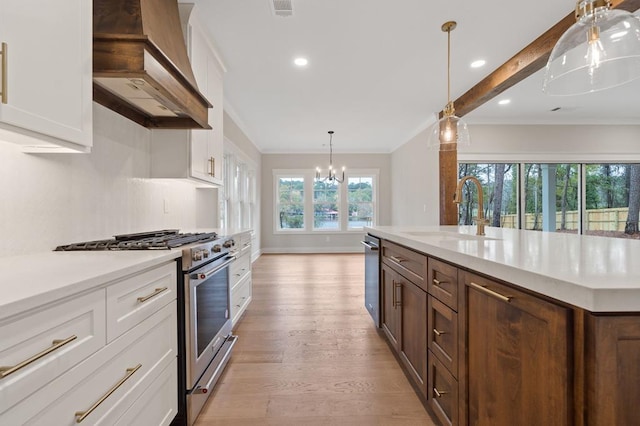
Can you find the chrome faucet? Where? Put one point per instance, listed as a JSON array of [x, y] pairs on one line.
[[457, 198]]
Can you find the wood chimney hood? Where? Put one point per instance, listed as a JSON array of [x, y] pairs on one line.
[[140, 65]]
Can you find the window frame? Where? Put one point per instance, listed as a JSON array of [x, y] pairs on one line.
[[309, 180]]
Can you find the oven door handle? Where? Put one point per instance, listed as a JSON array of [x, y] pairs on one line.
[[207, 274]]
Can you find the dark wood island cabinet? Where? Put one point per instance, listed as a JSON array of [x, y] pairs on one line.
[[482, 351]]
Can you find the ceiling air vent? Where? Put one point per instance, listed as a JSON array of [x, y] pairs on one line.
[[282, 7]]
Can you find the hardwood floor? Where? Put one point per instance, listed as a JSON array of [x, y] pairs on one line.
[[309, 354]]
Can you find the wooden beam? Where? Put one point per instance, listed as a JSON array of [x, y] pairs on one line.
[[526, 62]]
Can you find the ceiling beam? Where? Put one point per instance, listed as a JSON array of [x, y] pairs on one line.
[[526, 62]]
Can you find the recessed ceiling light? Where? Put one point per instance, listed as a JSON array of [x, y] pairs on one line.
[[504, 102], [478, 63], [301, 62]]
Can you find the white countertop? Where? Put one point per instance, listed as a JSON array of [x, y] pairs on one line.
[[28, 281], [595, 273]]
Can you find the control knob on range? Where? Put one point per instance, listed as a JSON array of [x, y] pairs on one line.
[[229, 243], [196, 255], [216, 249]]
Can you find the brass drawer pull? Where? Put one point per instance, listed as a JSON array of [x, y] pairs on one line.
[[56, 344], [491, 292], [156, 292], [212, 164], [438, 282], [439, 393], [397, 301], [438, 332], [3, 94], [397, 259], [81, 415]]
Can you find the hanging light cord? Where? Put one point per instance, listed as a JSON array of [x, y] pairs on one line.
[[330, 151], [448, 65]]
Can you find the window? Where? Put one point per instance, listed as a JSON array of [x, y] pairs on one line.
[[551, 197], [596, 199], [326, 205], [238, 198], [500, 188], [361, 201], [336, 207], [290, 202]]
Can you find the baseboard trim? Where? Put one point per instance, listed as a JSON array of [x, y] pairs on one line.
[[298, 250]]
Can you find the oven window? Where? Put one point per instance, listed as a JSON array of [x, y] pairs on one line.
[[212, 302]]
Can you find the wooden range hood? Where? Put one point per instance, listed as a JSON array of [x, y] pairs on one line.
[[140, 65]]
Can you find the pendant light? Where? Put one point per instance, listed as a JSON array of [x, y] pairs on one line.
[[449, 129], [601, 50], [331, 176]]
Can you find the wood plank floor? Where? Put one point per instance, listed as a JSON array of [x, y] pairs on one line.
[[309, 354]]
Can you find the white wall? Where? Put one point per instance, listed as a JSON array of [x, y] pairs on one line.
[[415, 168], [53, 199], [414, 182], [325, 242]]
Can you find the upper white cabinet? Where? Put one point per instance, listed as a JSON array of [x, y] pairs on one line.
[[46, 74], [195, 154]]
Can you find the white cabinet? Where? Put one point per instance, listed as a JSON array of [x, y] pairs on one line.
[[240, 277], [195, 154], [47, 69], [102, 380]]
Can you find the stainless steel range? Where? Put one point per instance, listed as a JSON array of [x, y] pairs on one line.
[[205, 340]]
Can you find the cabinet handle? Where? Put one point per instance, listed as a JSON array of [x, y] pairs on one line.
[[397, 259], [491, 292], [81, 415], [56, 344], [438, 282], [212, 164], [397, 302], [439, 393], [3, 52], [438, 332], [157, 291]]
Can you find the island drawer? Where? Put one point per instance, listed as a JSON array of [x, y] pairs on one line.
[[443, 392], [39, 346], [411, 264], [443, 282], [442, 334]]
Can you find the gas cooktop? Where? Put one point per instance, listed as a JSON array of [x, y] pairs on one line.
[[153, 240]]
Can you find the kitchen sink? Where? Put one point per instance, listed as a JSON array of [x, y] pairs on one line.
[[452, 236]]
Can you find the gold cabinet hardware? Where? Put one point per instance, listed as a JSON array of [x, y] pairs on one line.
[[56, 344], [3, 94], [81, 415], [438, 393], [156, 292], [397, 259], [438, 332], [212, 166], [397, 301], [491, 293], [438, 282]]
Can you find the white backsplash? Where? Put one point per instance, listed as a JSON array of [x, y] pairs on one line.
[[53, 199]]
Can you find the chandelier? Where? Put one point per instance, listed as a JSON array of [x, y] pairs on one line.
[[331, 176]]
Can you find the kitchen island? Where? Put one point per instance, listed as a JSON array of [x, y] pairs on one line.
[[514, 327]]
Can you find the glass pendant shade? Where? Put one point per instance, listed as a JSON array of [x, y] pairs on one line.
[[601, 50], [448, 130]]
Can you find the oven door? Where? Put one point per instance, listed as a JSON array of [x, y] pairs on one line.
[[207, 322]]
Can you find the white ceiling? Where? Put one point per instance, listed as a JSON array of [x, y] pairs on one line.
[[377, 69]]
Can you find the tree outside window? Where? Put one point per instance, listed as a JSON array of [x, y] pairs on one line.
[[326, 205], [500, 187], [360, 200], [290, 202]]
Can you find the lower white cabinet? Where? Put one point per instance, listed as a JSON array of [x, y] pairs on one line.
[[240, 277], [131, 376]]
